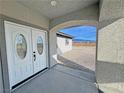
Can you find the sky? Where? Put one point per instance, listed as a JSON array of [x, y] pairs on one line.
[[81, 33]]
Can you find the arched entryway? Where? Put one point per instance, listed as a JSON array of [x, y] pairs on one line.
[[55, 29]]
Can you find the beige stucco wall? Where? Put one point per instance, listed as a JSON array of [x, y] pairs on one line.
[[110, 65], [110, 59], [111, 42], [87, 13], [53, 48], [1, 82], [15, 10], [111, 9]]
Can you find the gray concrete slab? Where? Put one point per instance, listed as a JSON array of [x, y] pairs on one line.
[[55, 81], [76, 73]]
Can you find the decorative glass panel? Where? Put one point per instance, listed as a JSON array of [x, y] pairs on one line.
[[40, 45], [21, 46]]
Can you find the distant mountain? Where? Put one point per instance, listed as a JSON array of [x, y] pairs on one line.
[[81, 40]]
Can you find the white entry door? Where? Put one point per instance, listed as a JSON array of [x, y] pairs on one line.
[[26, 51], [39, 50], [19, 52]]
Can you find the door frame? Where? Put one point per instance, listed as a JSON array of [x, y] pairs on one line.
[[4, 62]]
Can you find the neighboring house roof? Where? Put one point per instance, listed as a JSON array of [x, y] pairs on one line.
[[60, 34]]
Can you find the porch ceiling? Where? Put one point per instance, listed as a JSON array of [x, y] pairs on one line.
[[63, 7]]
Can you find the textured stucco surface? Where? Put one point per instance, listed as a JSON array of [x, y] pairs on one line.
[[111, 9], [1, 82], [87, 13], [1, 79], [110, 59], [15, 10], [53, 47], [111, 42], [63, 7], [110, 64]]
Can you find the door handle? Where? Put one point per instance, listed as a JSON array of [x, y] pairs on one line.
[[34, 56]]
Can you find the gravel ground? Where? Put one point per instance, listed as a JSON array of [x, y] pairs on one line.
[[80, 57]]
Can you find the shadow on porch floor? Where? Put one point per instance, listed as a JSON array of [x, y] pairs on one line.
[[60, 79]]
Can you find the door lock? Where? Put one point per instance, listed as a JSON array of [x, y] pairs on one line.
[[34, 56]]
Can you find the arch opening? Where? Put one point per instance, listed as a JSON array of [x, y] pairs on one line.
[[67, 25]]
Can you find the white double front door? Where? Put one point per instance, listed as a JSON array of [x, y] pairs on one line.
[[26, 51]]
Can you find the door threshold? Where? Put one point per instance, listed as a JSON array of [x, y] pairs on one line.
[[29, 79]]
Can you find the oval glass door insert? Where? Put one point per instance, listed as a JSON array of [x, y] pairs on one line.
[[40, 45], [21, 46]]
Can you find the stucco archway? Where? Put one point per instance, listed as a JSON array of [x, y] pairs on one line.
[[52, 35]]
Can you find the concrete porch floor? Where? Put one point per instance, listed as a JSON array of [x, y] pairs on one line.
[[61, 79]]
